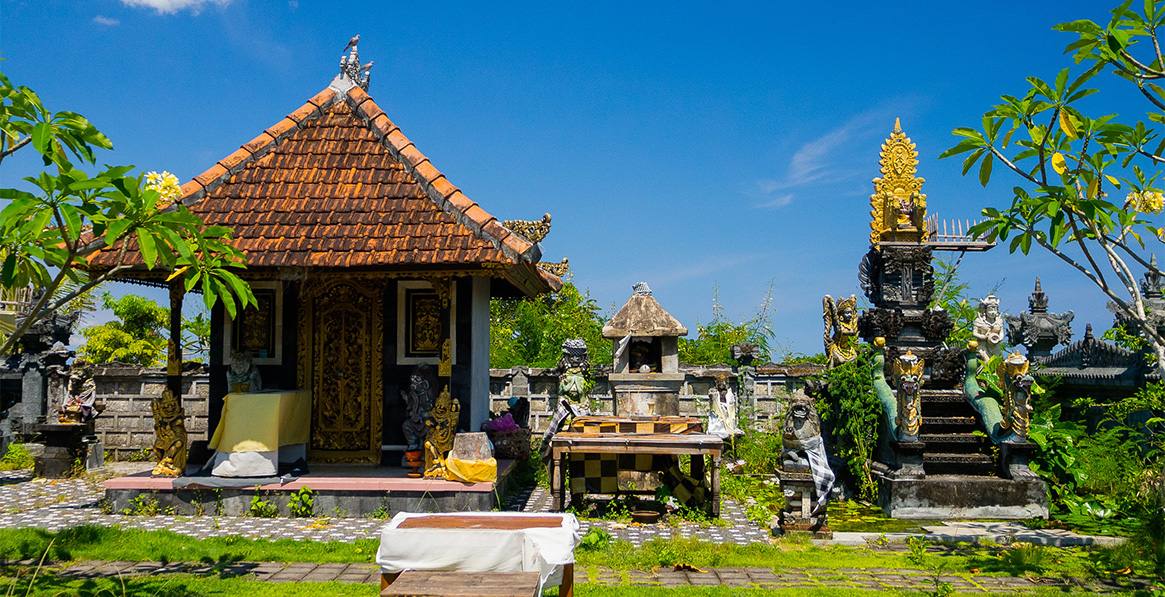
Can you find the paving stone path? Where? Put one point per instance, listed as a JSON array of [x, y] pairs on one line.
[[55, 505], [873, 579]]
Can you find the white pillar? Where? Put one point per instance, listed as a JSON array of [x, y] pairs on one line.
[[479, 352]]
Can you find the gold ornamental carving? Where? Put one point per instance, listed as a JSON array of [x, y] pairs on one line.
[[1016, 382], [558, 269], [169, 435], [341, 362], [445, 365], [533, 231], [908, 370], [899, 206], [841, 329], [442, 424]]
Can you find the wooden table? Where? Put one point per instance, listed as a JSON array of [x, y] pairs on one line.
[[485, 581], [420, 583], [699, 446]]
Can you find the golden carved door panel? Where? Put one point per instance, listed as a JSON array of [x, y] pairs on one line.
[[342, 361]]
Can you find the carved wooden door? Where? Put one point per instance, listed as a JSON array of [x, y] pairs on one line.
[[342, 361]]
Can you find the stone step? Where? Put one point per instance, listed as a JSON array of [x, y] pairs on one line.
[[941, 395], [962, 439], [956, 458], [949, 421]]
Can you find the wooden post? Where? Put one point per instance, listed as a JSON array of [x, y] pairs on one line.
[[174, 346]]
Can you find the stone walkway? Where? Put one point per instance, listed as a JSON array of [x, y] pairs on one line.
[[65, 503], [873, 579]]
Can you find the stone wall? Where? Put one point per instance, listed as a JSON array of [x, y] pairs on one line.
[[775, 386], [127, 425]]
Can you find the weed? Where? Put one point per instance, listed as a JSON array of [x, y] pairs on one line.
[[1024, 557], [143, 455], [339, 512], [301, 503], [262, 509], [941, 589], [917, 555], [143, 505], [595, 539], [218, 505], [384, 512], [16, 458]]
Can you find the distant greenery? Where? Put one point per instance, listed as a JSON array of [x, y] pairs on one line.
[[16, 458], [713, 342], [139, 334], [530, 331]]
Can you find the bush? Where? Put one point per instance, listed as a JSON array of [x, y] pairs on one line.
[[16, 458]]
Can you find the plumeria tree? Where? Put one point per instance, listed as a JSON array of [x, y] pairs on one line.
[[48, 236], [1089, 185]]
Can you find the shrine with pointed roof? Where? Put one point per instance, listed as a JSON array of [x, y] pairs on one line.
[[366, 262]]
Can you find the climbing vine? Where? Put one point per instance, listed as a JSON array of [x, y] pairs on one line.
[[852, 407]]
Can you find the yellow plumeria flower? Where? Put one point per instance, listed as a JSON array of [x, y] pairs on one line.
[[1147, 201]]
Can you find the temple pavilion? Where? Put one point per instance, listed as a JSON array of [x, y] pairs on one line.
[[366, 261]]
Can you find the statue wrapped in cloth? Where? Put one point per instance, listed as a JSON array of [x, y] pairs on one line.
[[805, 475]]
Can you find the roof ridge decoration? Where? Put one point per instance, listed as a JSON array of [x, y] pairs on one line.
[[532, 230], [899, 207], [1091, 352], [350, 67], [436, 185]]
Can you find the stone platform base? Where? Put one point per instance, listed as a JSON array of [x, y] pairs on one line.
[[963, 496], [338, 491]]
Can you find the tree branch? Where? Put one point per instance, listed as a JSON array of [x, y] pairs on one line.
[[19, 144]]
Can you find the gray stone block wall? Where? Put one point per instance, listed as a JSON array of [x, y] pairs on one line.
[[775, 386], [127, 425]]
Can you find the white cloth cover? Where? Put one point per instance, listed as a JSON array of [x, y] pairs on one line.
[[255, 464], [541, 550]]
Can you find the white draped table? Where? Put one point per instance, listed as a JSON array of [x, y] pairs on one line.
[[482, 542]]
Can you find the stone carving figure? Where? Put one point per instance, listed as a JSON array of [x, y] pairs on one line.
[[1017, 382], [243, 375], [572, 370], [722, 418], [442, 424], [169, 435], [79, 404], [908, 370], [988, 329], [841, 329], [803, 450], [419, 401]]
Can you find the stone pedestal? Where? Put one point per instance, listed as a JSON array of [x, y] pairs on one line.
[[652, 394], [800, 499], [963, 496], [62, 447]]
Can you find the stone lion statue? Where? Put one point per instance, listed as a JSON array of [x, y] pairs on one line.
[[800, 433]]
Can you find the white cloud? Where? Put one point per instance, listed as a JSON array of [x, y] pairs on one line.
[[173, 6], [824, 160], [100, 20], [293, 5]]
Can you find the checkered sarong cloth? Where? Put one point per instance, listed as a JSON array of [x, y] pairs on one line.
[[599, 473], [823, 476]]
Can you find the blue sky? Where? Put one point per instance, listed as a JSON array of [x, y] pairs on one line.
[[695, 146]]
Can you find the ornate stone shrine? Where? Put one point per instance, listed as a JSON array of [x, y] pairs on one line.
[[932, 459], [646, 378]]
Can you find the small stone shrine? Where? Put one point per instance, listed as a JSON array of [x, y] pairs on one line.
[[805, 476], [1038, 330], [646, 378]]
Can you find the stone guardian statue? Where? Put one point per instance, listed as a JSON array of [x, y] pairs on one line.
[[841, 329], [988, 329]]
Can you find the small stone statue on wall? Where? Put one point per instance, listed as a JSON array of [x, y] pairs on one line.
[[419, 400], [243, 375], [841, 329], [442, 424], [572, 370], [988, 329], [722, 418], [79, 404]]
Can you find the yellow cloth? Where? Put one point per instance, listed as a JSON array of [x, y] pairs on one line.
[[471, 471], [262, 422]]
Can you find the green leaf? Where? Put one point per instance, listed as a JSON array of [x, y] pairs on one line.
[[146, 245], [985, 169], [116, 229]]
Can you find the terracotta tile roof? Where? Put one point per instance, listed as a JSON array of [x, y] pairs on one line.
[[336, 184]]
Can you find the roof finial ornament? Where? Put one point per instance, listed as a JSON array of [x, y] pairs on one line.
[[351, 68]]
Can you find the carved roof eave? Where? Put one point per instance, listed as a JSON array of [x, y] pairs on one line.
[[1072, 357]]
